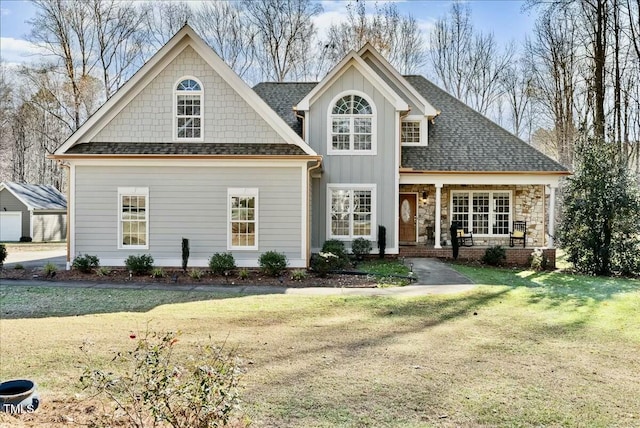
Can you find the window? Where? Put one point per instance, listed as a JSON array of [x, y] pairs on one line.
[[482, 212], [351, 122], [352, 211], [133, 218], [410, 132], [243, 219], [188, 110]]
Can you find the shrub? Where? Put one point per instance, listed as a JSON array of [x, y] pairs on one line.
[[336, 248], [382, 241], [139, 265], [222, 263], [539, 260], [157, 273], [157, 386], [84, 263], [299, 275], [494, 256], [3, 254], [25, 239], [243, 274], [323, 263], [361, 247], [50, 269], [195, 274], [185, 253], [19, 266], [272, 263], [102, 271]]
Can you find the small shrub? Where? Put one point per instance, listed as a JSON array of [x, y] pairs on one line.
[[158, 273], [195, 274], [19, 266], [102, 271], [185, 253], [272, 263], [243, 274], [336, 248], [25, 239], [323, 263], [139, 265], [3, 254], [494, 256], [361, 247], [539, 260], [299, 275], [84, 263], [153, 385], [50, 269], [222, 263], [382, 241]]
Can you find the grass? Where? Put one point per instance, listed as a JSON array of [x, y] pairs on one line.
[[525, 349], [384, 267]]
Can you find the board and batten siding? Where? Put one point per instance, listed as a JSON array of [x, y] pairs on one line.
[[380, 169], [8, 202], [188, 202], [149, 116]]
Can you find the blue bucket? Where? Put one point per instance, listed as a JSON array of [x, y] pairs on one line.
[[18, 396]]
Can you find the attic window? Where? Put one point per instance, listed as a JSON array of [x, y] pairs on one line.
[[351, 125], [188, 108], [411, 132]]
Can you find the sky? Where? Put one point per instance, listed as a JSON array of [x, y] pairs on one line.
[[506, 19]]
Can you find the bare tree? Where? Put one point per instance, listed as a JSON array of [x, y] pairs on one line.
[[517, 86], [224, 26], [468, 64], [284, 31], [397, 37], [161, 20]]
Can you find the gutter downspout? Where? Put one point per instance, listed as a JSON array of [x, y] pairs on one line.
[[310, 205], [66, 165]]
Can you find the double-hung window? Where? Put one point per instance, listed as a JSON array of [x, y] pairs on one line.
[[351, 126], [482, 212], [352, 211], [133, 217], [242, 219], [188, 119]]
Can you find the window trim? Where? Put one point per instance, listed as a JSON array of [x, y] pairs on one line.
[[492, 212], [374, 131], [176, 93], [132, 191], [423, 130], [374, 208], [236, 191]]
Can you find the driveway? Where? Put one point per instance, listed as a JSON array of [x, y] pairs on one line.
[[32, 255]]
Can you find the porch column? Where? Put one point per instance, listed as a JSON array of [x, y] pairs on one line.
[[438, 215], [552, 216]]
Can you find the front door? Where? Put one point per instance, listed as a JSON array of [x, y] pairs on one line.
[[408, 218]]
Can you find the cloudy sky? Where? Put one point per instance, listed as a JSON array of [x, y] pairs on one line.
[[505, 18]]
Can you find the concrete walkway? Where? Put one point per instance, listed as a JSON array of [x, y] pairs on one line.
[[434, 277]]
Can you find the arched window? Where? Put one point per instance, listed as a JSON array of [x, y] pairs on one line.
[[188, 109], [351, 121]]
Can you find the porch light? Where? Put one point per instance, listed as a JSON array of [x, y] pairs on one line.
[[424, 196]]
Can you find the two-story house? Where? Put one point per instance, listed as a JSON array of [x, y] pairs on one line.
[[186, 149]]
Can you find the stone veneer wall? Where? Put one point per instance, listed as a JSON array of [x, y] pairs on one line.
[[529, 203]]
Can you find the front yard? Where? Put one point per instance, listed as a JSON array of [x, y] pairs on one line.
[[524, 349]]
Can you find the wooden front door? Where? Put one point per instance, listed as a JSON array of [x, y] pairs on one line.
[[408, 217]]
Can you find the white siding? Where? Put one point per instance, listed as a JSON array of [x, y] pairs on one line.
[[189, 202], [48, 227]]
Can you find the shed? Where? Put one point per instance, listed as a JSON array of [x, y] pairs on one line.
[[37, 211]]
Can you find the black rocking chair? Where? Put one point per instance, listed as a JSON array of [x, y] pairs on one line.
[[518, 233], [465, 239]]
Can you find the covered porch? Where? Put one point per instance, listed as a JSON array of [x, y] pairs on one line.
[[485, 205]]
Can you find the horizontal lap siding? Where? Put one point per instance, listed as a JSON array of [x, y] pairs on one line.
[[190, 203], [49, 227]]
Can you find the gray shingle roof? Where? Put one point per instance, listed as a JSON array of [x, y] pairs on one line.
[[282, 96], [38, 196], [460, 139], [240, 149]]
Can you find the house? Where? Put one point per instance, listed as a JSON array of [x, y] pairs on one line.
[[186, 149], [32, 211]]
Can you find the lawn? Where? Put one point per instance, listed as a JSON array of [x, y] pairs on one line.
[[523, 349]]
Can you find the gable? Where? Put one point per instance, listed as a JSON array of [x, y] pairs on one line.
[[35, 196], [227, 118]]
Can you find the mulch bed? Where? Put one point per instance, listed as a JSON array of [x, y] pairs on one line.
[[177, 276]]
